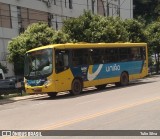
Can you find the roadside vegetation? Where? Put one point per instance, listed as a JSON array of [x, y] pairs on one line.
[[89, 28]]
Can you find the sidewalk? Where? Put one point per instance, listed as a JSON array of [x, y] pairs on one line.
[[19, 98]]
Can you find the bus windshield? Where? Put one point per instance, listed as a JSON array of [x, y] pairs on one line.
[[38, 64]]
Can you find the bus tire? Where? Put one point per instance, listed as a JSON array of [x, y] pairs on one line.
[[76, 88], [100, 87], [124, 79], [52, 94], [118, 84]]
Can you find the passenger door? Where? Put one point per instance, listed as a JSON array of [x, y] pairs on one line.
[[63, 73]]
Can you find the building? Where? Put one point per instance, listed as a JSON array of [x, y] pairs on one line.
[[16, 15]]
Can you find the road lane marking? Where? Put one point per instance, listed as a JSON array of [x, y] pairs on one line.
[[91, 116]]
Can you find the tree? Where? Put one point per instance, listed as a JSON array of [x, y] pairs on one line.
[[147, 9], [60, 37], [95, 28], [36, 35], [135, 30], [153, 36]]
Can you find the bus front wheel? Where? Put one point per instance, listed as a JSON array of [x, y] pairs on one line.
[[76, 87]]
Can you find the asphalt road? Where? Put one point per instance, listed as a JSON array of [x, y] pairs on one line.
[[135, 107]]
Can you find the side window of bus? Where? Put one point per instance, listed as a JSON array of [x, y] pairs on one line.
[[97, 56], [143, 53], [90, 57], [85, 57], [62, 60], [137, 54], [124, 54], [110, 55], [78, 57]]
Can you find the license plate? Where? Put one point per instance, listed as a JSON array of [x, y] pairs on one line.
[[37, 90]]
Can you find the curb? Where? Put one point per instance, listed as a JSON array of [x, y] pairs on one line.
[[19, 98]]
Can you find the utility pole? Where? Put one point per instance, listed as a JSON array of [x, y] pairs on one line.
[[119, 8], [87, 5], [93, 1], [107, 8]]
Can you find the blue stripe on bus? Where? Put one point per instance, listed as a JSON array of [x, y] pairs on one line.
[[109, 70]]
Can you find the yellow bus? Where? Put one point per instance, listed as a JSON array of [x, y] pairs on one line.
[[73, 66]]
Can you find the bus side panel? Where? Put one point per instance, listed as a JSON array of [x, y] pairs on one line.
[[109, 73], [142, 74], [64, 80], [101, 81]]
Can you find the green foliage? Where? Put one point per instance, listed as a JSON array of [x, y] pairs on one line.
[[60, 37], [95, 28], [4, 68], [135, 30], [148, 9], [36, 35], [153, 36]]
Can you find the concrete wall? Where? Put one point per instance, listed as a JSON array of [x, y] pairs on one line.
[[6, 34], [126, 9]]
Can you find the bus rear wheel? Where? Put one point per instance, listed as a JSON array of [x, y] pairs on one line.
[[124, 80], [76, 87], [100, 87], [52, 94]]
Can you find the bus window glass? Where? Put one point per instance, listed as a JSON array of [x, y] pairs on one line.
[[97, 56], [38, 63], [61, 60], [124, 54], [111, 55], [77, 57], [136, 54], [143, 53]]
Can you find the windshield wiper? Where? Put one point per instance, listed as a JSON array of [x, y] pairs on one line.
[[37, 72]]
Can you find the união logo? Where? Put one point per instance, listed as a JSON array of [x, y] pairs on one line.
[[114, 67]]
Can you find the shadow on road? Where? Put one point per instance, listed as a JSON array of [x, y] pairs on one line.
[[93, 90], [6, 101]]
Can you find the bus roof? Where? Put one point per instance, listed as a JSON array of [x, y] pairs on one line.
[[88, 45]]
